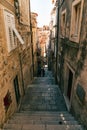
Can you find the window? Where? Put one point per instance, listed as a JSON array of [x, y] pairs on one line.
[[63, 22], [76, 17], [24, 12], [11, 31], [9, 22]]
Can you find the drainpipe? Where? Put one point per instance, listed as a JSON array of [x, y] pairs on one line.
[[17, 12], [31, 37], [57, 33], [21, 73]]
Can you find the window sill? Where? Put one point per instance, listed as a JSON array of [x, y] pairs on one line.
[[11, 52], [74, 38]]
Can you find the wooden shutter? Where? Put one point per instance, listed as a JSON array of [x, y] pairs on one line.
[[9, 31], [13, 26], [18, 35]]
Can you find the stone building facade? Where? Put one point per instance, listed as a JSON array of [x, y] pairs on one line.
[[52, 39], [43, 39], [34, 39], [15, 55], [72, 56]]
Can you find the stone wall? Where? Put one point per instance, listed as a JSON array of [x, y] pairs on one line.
[[24, 12], [34, 40], [14, 66], [79, 106], [74, 57]]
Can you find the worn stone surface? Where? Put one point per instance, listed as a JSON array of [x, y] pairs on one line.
[[18, 62], [73, 56], [42, 108], [44, 98]]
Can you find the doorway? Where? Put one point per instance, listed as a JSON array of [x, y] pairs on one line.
[[16, 87], [70, 81]]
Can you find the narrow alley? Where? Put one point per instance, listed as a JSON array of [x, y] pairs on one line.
[[42, 108], [43, 65]]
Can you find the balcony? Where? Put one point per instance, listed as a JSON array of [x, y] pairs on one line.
[[66, 41]]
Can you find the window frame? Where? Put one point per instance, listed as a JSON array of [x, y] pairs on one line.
[[63, 27], [10, 38], [11, 31], [73, 35]]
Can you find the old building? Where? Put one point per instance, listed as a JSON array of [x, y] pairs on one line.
[[53, 28], [15, 54], [72, 55], [34, 39], [52, 39], [43, 35], [26, 50], [43, 38]]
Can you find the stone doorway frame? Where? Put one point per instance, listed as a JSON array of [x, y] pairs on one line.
[[66, 78], [16, 89]]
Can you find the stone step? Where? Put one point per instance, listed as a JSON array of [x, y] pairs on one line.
[[43, 78], [64, 127], [51, 122], [44, 107], [42, 86], [41, 127], [39, 88], [43, 118], [42, 83], [21, 119], [49, 115], [45, 113], [42, 94]]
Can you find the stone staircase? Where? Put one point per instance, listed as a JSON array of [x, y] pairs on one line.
[[34, 120], [43, 108]]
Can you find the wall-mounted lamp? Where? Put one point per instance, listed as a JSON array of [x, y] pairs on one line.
[[17, 11]]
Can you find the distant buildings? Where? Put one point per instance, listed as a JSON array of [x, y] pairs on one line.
[[43, 36], [52, 40], [43, 40], [15, 54]]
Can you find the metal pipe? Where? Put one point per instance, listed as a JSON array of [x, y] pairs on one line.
[[21, 73], [31, 37], [57, 33]]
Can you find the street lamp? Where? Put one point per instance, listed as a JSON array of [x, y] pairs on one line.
[[17, 11]]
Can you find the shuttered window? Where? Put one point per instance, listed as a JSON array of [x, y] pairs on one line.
[[76, 18], [9, 23], [11, 32]]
